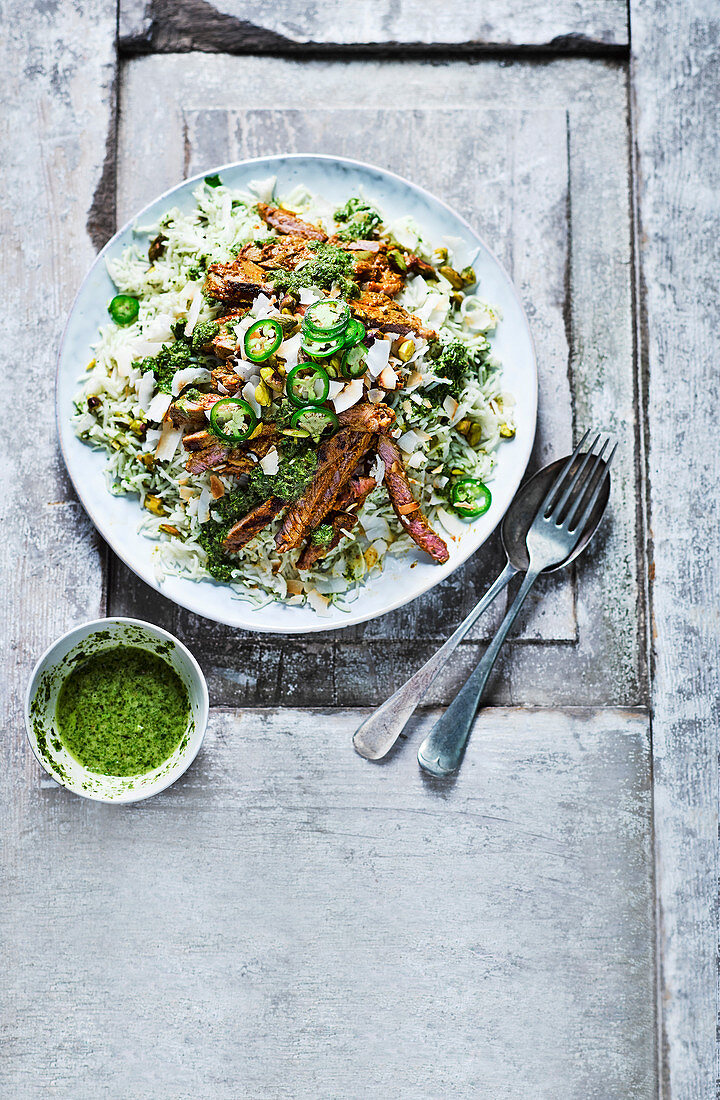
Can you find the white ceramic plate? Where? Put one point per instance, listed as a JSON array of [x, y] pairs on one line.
[[117, 518]]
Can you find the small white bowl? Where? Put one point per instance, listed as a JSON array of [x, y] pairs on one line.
[[47, 679]]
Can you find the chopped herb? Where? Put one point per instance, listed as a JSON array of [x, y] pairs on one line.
[[170, 358], [329, 267], [360, 219], [204, 334], [322, 535], [213, 181], [450, 361]]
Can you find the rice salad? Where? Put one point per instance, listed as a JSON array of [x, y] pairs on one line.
[[440, 379]]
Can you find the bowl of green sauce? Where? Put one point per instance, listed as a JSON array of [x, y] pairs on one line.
[[116, 710]]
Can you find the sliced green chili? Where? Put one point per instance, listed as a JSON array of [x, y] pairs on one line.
[[326, 319], [354, 334], [314, 420], [308, 384], [232, 419], [262, 339], [320, 348], [470, 498], [124, 309], [354, 361]]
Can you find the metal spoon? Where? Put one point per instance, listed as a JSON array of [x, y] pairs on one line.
[[378, 733]]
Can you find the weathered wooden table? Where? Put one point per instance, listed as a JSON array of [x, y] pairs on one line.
[[289, 920]]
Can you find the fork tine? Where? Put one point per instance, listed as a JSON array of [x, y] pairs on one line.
[[580, 525], [572, 489], [557, 484]]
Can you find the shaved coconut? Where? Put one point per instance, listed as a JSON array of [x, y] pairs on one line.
[[271, 463], [152, 435], [377, 357], [335, 389], [388, 378], [203, 510], [158, 406], [451, 523], [186, 493], [290, 349], [415, 380], [263, 188], [145, 388], [378, 469], [184, 377], [451, 406], [375, 396], [410, 441], [351, 394], [248, 393], [244, 369], [123, 360], [262, 306], [308, 295], [194, 311], [417, 460], [168, 442], [317, 602]]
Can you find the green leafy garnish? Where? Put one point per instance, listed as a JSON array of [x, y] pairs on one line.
[[204, 334], [329, 267], [361, 220], [322, 535], [213, 181]]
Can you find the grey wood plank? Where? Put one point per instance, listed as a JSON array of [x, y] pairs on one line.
[[58, 70], [254, 26], [606, 661], [263, 927], [677, 98]]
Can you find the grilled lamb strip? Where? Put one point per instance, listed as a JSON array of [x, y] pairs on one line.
[[252, 524], [352, 496], [208, 452], [376, 275], [286, 252], [406, 507], [337, 459], [287, 222], [381, 312], [224, 345], [367, 417], [226, 377], [239, 281], [189, 413]]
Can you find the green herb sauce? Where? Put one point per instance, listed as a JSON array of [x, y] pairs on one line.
[[330, 266], [123, 711]]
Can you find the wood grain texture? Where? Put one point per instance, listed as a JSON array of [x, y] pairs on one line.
[[59, 65], [230, 26], [677, 99], [291, 921], [584, 336]]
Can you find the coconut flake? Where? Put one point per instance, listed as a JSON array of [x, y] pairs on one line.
[[377, 357], [168, 442], [375, 396], [351, 394], [145, 388], [271, 462], [158, 407], [378, 469], [318, 602], [450, 406], [335, 388], [451, 523], [203, 509], [417, 460], [248, 393], [194, 311], [263, 188], [308, 295], [290, 349], [410, 441], [388, 378], [184, 377]]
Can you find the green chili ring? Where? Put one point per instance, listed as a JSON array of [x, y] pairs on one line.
[[262, 339], [355, 333], [326, 309], [124, 309], [310, 417], [320, 348], [354, 362], [227, 411], [470, 497], [308, 373]]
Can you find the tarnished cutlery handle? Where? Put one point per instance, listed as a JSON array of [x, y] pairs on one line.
[[378, 733], [441, 751]]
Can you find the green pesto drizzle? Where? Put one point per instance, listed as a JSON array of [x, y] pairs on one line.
[[122, 712]]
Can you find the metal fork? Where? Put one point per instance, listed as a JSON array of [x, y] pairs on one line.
[[552, 536]]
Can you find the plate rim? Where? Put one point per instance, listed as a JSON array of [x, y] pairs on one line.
[[147, 575]]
